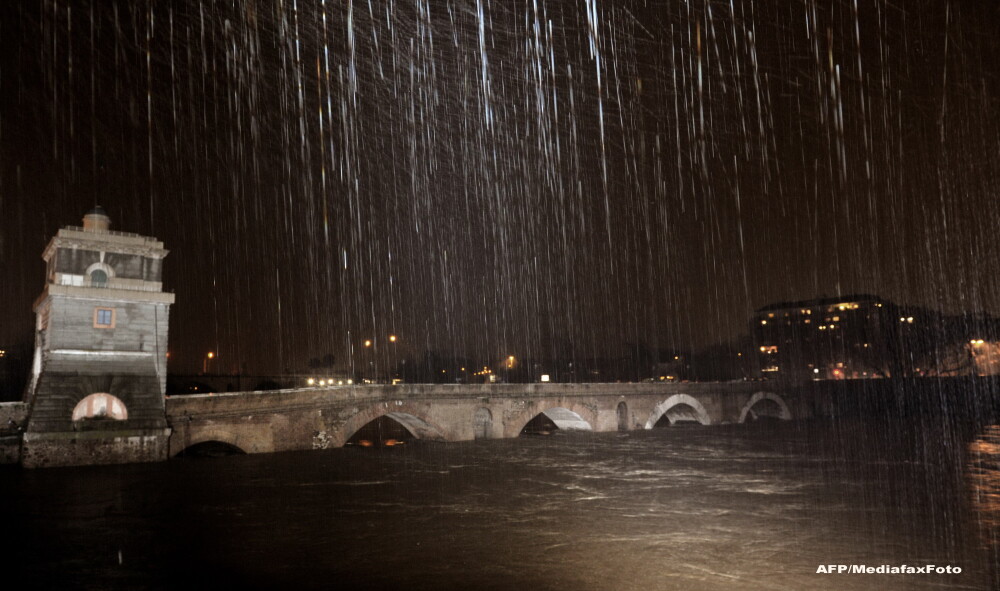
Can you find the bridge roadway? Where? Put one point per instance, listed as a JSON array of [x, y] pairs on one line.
[[319, 418]]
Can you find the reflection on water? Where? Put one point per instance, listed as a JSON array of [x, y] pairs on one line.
[[984, 482], [691, 508]]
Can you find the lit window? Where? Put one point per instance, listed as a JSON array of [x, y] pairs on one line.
[[104, 318]]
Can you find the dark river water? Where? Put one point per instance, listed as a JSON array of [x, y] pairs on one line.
[[687, 508]]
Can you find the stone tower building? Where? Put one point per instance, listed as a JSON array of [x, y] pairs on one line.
[[100, 363]]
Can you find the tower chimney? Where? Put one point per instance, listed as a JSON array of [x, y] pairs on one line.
[[96, 220]]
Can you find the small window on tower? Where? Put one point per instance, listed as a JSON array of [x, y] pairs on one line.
[[104, 318]]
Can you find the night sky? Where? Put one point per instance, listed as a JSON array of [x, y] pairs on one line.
[[487, 177]]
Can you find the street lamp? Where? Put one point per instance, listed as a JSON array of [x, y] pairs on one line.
[[204, 364]]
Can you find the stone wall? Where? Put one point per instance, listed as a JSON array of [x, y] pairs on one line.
[[139, 326], [41, 450], [16, 411]]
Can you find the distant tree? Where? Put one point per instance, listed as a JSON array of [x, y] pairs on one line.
[[15, 367], [639, 364], [324, 362], [194, 388], [721, 362], [265, 385], [434, 368]]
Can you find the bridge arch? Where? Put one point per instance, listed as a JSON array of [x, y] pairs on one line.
[[621, 413], [765, 404], [556, 417], [210, 449], [679, 407], [213, 437], [100, 405], [417, 427]]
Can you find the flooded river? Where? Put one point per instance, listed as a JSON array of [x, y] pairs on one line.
[[692, 508]]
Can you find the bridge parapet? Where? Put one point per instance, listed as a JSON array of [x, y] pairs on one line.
[[231, 401]]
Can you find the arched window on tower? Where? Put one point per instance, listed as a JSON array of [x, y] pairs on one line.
[[100, 405], [98, 278]]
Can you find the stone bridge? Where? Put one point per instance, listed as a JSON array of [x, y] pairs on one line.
[[316, 418]]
